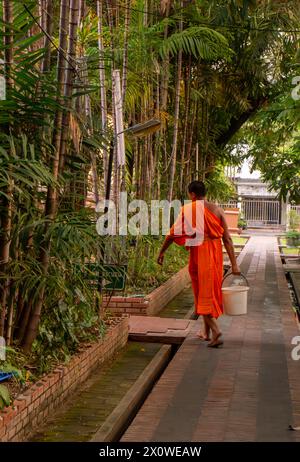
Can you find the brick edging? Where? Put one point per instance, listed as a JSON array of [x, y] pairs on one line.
[[32, 407], [163, 294], [152, 303]]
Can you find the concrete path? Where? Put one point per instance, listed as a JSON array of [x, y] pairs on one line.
[[248, 390]]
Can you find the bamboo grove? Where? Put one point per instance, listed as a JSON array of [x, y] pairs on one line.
[[203, 68]]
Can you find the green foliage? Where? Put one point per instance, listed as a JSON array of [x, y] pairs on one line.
[[64, 326], [294, 220], [144, 274], [26, 153], [200, 42], [293, 234], [242, 223], [22, 165], [219, 187], [293, 241], [4, 397], [70, 305], [274, 141]]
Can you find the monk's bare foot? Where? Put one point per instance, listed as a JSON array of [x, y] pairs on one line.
[[204, 336], [216, 342]]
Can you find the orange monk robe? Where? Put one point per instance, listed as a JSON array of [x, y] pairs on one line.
[[205, 262]]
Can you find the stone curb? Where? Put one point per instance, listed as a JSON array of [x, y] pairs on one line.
[[113, 427]]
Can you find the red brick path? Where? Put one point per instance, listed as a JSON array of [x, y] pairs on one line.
[[248, 390]]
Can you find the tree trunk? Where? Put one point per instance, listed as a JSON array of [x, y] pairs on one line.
[[81, 13], [6, 200], [115, 178], [103, 99], [190, 143], [125, 54], [176, 122], [48, 26], [10, 315], [61, 68], [185, 129], [165, 71], [69, 80]]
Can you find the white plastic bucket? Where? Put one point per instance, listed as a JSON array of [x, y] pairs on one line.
[[235, 300]]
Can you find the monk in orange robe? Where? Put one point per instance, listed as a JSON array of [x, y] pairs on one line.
[[200, 227]]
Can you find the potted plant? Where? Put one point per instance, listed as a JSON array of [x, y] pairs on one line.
[[231, 214], [242, 223], [293, 238]]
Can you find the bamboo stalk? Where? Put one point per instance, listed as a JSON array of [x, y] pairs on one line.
[[176, 120], [125, 53], [61, 67], [69, 80], [48, 26], [103, 99], [6, 206], [185, 129]]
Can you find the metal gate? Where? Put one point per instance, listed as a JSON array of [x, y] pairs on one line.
[[261, 212]]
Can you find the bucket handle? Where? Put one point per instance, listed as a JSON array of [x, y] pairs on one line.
[[229, 274]]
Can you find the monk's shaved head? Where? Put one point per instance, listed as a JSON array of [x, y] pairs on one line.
[[198, 188]]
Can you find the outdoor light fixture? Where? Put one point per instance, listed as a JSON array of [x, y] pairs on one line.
[[144, 128]]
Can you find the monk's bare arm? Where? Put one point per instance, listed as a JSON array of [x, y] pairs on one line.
[[167, 242], [229, 245]]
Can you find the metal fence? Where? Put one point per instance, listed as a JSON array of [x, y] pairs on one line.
[[261, 212], [258, 212], [296, 208]]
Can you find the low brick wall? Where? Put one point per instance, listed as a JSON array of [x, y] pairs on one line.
[[150, 304], [33, 406], [131, 305]]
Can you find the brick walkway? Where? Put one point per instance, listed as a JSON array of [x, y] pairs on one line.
[[248, 390]]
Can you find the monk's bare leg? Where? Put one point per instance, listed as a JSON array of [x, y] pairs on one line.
[[193, 270], [216, 341], [206, 334]]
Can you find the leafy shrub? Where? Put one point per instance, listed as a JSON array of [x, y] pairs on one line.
[[242, 223], [294, 220], [293, 235], [4, 396]]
